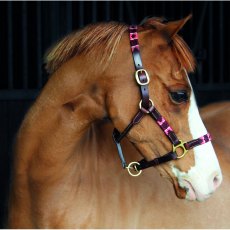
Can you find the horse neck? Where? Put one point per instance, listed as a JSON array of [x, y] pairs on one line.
[[63, 113]]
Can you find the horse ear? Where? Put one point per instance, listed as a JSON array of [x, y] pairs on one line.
[[172, 28]]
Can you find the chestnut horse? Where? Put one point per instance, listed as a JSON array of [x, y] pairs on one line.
[[67, 173]]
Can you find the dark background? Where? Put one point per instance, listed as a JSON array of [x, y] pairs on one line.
[[27, 29]]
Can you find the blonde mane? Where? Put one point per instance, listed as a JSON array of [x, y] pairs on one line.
[[107, 36], [104, 35]]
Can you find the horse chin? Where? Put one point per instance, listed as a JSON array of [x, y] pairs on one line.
[[181, 193]]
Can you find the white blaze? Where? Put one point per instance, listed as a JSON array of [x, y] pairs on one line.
[[204, 175]]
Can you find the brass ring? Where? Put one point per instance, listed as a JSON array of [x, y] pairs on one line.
[[133, 166], [143, 109], [181, 146]]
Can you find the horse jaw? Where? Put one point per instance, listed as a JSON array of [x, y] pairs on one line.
[[205, 176]]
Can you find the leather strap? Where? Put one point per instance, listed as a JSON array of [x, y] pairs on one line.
[[143, 164], [135, 49], [199, 141], [134, 44], [119, 136], [164, 126]]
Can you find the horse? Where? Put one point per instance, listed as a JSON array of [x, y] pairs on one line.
[[66, 170]]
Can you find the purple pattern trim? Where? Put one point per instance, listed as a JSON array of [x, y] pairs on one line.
[[135, 48], [202, 140], [206, 138], [199, 141], [133, 27], [164, 126], [169, 129], [160, 122], [133, 37]]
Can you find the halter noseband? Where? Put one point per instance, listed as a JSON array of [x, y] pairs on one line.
[[146, 107]]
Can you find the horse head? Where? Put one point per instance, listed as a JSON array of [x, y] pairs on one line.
[[168, 60]]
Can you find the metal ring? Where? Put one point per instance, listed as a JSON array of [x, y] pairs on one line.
[[143, 109], [133, 166], [181, 145]]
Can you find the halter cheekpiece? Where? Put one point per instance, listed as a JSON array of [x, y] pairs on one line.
[[146, 107]]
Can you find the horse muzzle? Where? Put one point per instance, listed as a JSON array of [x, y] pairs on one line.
[[189, 188]]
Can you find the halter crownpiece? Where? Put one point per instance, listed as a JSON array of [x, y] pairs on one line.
[[146, 107]]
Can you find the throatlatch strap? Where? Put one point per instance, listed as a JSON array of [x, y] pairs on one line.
[[117, 136]]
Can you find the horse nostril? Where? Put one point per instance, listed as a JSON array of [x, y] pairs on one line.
[[216, 182]]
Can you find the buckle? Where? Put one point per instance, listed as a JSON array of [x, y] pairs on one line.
[[132, 169], [138, 79], [182, 148]]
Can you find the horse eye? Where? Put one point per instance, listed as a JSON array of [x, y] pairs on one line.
[[179, 97]]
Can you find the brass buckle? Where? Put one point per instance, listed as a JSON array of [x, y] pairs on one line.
[[138, 79], [133, 166], [181, 146]]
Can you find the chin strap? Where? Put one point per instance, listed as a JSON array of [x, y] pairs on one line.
[[146, 107]]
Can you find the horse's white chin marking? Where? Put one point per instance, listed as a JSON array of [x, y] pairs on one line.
[[205, 177]]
